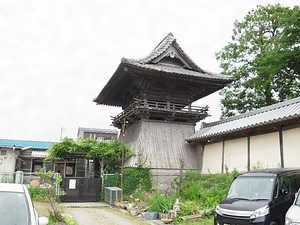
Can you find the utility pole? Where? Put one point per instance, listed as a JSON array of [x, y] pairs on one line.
[[61, 131]]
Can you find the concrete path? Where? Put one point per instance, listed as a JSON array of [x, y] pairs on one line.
[[98, 213]]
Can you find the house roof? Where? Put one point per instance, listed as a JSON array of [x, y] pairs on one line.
[[25, 144], [167, 60], [279, 113]]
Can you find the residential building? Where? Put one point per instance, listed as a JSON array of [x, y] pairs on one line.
[[24, 155]]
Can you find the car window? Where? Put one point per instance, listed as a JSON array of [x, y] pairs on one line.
[[286, 185], [252, 188], [297, 201], [13, 209], [295, 183]]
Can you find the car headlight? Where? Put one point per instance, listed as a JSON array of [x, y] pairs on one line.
[[260, 212], [288, 221], [218, 210]]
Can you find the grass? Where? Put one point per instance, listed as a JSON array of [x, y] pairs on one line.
[[43, 208], [199, 222]]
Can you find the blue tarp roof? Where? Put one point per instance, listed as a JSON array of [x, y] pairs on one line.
[[25, 143]]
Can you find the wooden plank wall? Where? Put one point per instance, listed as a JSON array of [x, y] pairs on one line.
[[162, 145]]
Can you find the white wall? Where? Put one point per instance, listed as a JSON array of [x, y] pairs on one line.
[[212, 158], [236, 154], [291, 147], [8, 161], [265, 151]]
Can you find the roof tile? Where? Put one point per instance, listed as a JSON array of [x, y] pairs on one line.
[[275, 113]]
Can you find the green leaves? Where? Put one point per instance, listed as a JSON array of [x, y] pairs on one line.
[[264, 58], [106, 152], [62, 149]]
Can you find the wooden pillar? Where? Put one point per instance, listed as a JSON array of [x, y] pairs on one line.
[[248, 153], [223, 152], [200, 154], [281, 148]]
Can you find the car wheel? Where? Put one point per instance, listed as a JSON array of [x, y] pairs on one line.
[[273, 223]]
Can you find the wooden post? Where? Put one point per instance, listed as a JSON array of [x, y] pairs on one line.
[[281, 148], [123, 140]]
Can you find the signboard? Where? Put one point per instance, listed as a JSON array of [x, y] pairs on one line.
[[72, 184]]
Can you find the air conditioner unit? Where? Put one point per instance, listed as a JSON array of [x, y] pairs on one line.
[[112, 194]]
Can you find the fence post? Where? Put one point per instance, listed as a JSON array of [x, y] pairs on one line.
[[19, 177]]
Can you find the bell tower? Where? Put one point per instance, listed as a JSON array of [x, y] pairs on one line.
[[156, 94]]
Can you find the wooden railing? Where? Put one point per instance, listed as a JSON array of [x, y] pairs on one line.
[[145, 105]]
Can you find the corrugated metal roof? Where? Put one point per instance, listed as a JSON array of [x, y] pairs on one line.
[[39, 154], [267, 115], [99, 130], [25, 143]]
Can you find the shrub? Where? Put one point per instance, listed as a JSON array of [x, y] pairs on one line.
[[161, 202], [189, 208], [66, 219], [206, 190], [136, 179], [38, 194]]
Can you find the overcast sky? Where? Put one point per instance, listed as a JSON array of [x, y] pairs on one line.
[[56, 55]]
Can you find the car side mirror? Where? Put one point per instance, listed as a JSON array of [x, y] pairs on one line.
[[43, 220]]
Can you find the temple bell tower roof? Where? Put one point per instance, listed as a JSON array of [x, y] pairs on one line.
[[167, 68]]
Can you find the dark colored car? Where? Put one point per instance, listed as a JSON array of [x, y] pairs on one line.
[[260, 197]]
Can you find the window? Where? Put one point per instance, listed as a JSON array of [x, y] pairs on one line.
[[14, 208], [70, 169], [286, 185], [80, 168], [295, 183], [37, 165], [252, 188], [3, 152]]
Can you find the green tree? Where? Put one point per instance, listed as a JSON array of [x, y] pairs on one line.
[[264, 58], [105, 152], [62, 149]]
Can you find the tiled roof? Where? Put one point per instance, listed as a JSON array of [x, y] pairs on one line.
[[24, 143], [167, 61], [267, 115], [98, 130], [160, 49], [178, 70], [150, 63]]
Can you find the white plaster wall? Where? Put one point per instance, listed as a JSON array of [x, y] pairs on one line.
[[291, 147], [212, 158], [8, 161], [265, 151], [235, 154]]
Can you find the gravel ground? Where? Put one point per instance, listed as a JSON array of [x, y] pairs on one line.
[[102, 215]]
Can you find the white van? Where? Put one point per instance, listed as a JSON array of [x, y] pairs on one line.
[[293, 214]]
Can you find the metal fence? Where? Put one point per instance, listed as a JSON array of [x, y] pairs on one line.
[[21, 177]]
